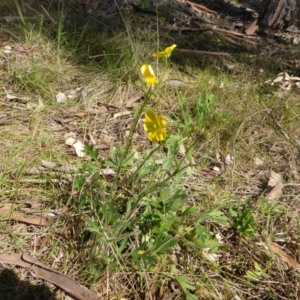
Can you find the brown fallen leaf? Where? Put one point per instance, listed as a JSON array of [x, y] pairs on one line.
[[134, 98], [274, 178], [40, 270], [276, 192], [275, 186], [7, 213], [283, 256], [252, 28]]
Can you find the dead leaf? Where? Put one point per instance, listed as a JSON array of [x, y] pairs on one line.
[[48, 164], [285, 83], [229, 160], [76, 144], [274, 179], [74, 93], [40, 270], [174, 83], [294, 78], [7, 213], [279, 78], [284, 256], [79, 148], [58, 167], [70, 141], [275, 187], [252, 28], [61, 97], [134, 98], [276, 192], [258, 161], [7, 49]]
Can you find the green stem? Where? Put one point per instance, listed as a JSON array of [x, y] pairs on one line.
[[145, 160], [129, 139]]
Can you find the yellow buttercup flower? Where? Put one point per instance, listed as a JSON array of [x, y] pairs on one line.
[[147, 71], [149, 75], [166, 53], [155, 125]]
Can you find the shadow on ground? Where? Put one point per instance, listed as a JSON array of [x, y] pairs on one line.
[[12, 288], [92, 38]]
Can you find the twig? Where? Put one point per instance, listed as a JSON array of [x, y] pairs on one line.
[[204, 52]]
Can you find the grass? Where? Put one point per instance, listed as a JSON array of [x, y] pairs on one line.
[[176, 220]]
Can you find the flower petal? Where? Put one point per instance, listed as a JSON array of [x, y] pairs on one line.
[[166, 53], [151, 115], [147, 71], [151, 80], [155, 125]]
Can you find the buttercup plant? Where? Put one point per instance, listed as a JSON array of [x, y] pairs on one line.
[[142, 213]]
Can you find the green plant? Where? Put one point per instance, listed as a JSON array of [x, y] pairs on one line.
[[143, 212], [257, 274], [243, 220], [197, 117]]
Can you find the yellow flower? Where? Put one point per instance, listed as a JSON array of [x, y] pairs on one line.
[[149, 75], [155, 125], [166, 53]]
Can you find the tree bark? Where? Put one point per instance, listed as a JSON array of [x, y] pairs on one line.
[[280, 14], [271, 15]]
